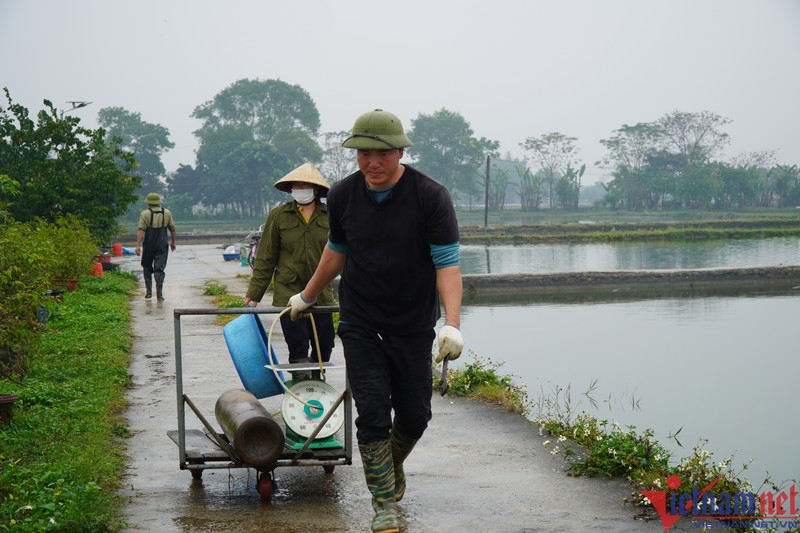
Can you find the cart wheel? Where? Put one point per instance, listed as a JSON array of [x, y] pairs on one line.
[[328, 468], [197, 474], [265, 487]]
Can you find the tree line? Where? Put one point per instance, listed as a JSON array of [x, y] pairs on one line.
[[255, 131]]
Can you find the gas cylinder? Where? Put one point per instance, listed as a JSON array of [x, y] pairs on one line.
[[255, 436]]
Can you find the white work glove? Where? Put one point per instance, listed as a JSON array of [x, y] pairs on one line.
[[298, 305], [450, 343]]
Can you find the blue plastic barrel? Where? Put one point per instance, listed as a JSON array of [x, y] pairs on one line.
[[247, 344]]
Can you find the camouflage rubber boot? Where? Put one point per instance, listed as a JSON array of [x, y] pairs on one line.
[[160, 292], [379, 472], [148, 287], [401, 447]]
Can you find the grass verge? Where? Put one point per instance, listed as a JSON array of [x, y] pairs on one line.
[[481, 380], [61, 458]]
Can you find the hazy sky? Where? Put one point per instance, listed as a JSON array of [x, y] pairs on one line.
[[512, 68]]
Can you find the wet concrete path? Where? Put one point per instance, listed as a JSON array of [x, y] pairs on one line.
[[475, 469]]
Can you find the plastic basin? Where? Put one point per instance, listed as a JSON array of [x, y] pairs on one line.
[[247, 344]]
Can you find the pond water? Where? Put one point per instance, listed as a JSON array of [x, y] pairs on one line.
[[723, 367], [541, 258]]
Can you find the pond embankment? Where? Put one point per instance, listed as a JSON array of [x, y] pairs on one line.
[[786, 276]]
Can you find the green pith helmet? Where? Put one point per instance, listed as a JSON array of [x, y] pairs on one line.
[[153, 198], [377, 130]]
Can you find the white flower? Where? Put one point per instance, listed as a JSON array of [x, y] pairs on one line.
[[561, 438], [645, 500], [545, 443], [554, 451]]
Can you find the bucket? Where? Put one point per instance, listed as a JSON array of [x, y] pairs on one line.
[[117, 250], [247, 344], [97, 270]]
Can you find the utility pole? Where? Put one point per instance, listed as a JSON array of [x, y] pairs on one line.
[[486, 202]]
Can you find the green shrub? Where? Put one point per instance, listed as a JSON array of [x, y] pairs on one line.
[[32, 256], [75, 251], [481, 381], [24, 278]]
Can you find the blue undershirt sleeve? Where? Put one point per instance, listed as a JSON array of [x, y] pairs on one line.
[[446, 255], [338, 247]]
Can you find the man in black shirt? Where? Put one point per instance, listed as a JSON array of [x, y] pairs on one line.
[[394, 240]]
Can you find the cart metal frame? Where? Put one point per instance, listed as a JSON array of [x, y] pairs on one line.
[[199, 450]]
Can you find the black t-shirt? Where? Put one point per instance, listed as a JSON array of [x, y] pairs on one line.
[[389, 281]]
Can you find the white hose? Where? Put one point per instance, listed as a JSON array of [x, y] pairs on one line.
[[272, 365]]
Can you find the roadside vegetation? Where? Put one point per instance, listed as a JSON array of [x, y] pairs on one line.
[[222, 300], [481, 380], [62, 455]]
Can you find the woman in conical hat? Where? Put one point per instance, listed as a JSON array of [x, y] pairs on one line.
[[292, 241]]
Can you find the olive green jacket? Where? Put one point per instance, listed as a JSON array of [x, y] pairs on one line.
[[290, 251]]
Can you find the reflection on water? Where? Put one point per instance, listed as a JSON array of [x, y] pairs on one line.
[[540, 258], [721, 364]]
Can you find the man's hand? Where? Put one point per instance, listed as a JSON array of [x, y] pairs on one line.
[[450, 343], [247, 301], [298, 305]]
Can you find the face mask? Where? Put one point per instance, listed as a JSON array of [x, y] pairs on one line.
[[303, 196]]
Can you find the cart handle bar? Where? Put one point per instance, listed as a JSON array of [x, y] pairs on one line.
[[250, 310]]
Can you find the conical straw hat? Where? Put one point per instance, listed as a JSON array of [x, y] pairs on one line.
[[306, 173]]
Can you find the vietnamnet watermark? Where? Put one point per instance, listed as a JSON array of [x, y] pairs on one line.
[[709, 510]]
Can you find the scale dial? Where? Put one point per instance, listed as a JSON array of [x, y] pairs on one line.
[[303, 419]]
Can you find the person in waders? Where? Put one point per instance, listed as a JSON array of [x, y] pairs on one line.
[[154, 223], [394, 239]]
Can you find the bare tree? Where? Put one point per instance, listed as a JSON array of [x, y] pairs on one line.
[[696, 136], [629, 147], [760, 159], [337, 161], [552, 153]]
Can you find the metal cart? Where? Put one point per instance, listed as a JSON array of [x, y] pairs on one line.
[[208, 448]]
